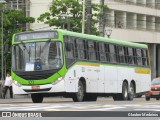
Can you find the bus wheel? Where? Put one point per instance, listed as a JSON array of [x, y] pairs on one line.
[[131, 92], [37, 98], [124, 94], [147, 98], [157, 98], [78, 97], [90, 97]]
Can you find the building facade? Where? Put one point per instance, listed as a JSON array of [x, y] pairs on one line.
[[37, 7]]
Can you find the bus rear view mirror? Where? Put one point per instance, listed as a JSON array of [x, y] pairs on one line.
[[68, 46]]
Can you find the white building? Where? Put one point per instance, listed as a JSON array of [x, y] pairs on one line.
[[130, 20], [37, 7]]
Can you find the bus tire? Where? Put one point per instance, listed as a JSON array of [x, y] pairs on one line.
[[90, 97], [124, 94], [78, 97], [147, 98], [37, 98], [131, 92]]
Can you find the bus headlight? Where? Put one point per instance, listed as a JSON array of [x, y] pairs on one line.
[[57, 81], [16, 83]]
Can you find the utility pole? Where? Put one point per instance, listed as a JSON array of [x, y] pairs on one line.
[[83, 16], [2, 47], [89, 16], [101, 24], [24, 10]]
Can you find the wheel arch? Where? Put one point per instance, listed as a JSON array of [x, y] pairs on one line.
[[125, 81]]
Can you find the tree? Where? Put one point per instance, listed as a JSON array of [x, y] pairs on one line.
[[13, 22], [69, 12]]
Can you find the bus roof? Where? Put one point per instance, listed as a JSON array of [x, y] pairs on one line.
[[110, 40]]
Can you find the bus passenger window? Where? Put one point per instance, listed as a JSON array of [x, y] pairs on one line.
[[130, 56], [107, 52], [139, 56], [121, 54], [144, 57], [126, 54], [112, 53], [70, 58], [102, 54], [91, 51], [81, 51]]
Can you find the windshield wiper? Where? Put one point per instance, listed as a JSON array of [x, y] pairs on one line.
[[48, 41], [24, 46]]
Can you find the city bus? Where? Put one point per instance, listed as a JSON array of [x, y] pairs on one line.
[[78, 66]]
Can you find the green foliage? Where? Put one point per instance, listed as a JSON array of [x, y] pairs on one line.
[[14, 22], [72, 9]]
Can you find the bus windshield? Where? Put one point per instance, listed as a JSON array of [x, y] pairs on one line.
[[37, 56]]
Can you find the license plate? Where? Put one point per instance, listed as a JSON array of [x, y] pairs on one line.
[[35, 87], [156, 93]]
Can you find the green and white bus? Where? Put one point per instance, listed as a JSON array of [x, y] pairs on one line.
[[79, 66]]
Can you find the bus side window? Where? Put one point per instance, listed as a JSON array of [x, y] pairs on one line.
[[126, 54], [80, 46], [139, 57], [130, 56], [70, 56], [107, 52], [121, 54], [144, 57], [91, 51], [101, 52], [112, 53]]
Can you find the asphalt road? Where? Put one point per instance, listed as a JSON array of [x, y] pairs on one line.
[[64, 109]]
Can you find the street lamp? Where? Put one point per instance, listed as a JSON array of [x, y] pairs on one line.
[[2, 47], [108, 32]]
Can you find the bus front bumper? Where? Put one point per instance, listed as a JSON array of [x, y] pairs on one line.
[[47, 88]]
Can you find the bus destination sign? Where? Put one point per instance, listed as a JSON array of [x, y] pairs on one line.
[[35, 35]]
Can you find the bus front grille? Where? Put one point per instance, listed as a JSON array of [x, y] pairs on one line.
[[36, 75]]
